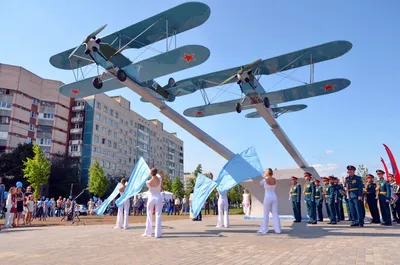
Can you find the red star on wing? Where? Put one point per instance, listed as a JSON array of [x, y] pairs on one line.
[[199, 113], [329, 87], [188, 57], [75, 91]]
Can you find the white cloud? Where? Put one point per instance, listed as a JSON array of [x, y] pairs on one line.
[[328, 152], [325, 169]]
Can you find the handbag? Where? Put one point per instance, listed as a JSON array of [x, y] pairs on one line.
[[13, 210]]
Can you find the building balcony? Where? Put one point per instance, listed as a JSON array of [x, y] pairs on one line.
[[78, 108], [75, 153], [77, 119], [75, 142], [76, 130]]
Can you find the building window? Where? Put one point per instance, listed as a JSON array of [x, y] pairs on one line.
[[101, 163], [107, 164], [97, 127], [33, 114], [97, 116], [74, 148], [105, 109], [111, 122], [105, 119], [46, 142], [28, 140], [113, 166], [35, 101], [109, 133], [3, 135], [4, 120], [115, 125], [115, 135], [115, 145], [31, 127], [109, 143], [103, 141], [104, 130], [116, 115], [48, 116], [111, 112], [96, 139], [5, 105], [98, 105]]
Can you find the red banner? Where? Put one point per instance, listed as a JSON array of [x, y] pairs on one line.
[[396, 172]]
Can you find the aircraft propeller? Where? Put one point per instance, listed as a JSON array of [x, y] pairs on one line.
[[243, 69], [85, 41]]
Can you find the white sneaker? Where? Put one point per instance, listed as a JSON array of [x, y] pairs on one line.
[[145, 235]]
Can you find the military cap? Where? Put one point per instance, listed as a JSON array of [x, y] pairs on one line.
[[307, 174], [370, 176], [325, 178], [380, 171], [332, 177], [293, 177], [316, 180], [351, 167]]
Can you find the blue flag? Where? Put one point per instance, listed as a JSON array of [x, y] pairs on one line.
[[103, 207], [136, 182], [202, 190], [243, 166]]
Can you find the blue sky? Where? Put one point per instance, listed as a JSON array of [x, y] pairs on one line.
[[344, 128]]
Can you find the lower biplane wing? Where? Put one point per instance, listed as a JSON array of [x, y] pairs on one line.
[[169, 23], [275, 97], [277, 111], [270, 66], [142, 72]]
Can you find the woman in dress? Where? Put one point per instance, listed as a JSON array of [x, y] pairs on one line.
[[246, 203], [223, 210], [154, 199], [123, 210], [270, 203], [20, 205]]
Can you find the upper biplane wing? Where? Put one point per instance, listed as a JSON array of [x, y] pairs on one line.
[[277, 111], [142, 72], [169, 23], [275, 97], [280, 63]]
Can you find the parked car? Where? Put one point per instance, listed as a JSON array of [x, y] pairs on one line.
[[81, 209]]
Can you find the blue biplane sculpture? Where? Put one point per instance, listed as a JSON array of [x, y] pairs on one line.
[[245, 77], [106, 52]]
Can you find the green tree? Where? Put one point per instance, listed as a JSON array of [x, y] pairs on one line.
[[37, 169], [197, 170], [64, 172], [192, 183], [97, 180], [234, 195], [167, 184], [11, 164], [177, 187], [362, 172]]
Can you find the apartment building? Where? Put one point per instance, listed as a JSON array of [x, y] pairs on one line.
[[107, 130], [31, 109], [186, 181]]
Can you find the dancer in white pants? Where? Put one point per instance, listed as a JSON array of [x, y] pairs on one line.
[[154, 199], [246, 203], [123, 210], [223, 210], [270, 203]]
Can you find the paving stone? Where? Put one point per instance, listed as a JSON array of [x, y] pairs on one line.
[[192, 243]]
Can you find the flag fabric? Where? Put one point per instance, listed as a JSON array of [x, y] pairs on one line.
[[395, 169], [385, 167], [202, 190], [103, 207], [136, 182], [243, 166]]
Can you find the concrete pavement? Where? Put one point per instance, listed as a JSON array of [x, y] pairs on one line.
[[188, 242]]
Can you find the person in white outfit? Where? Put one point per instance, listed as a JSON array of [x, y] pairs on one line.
[[223, 210], [270, 203], [123, 210], [246, 203], [154, 199], [11, 203]]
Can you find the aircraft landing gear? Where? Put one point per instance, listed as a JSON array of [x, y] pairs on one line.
[[97, 83], [276, 115], [238, 107], [266, 102], [121, 75]]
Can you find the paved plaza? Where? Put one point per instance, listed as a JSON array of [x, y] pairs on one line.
[[188, 242]]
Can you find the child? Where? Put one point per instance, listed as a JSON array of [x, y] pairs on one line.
[[29, 206]]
